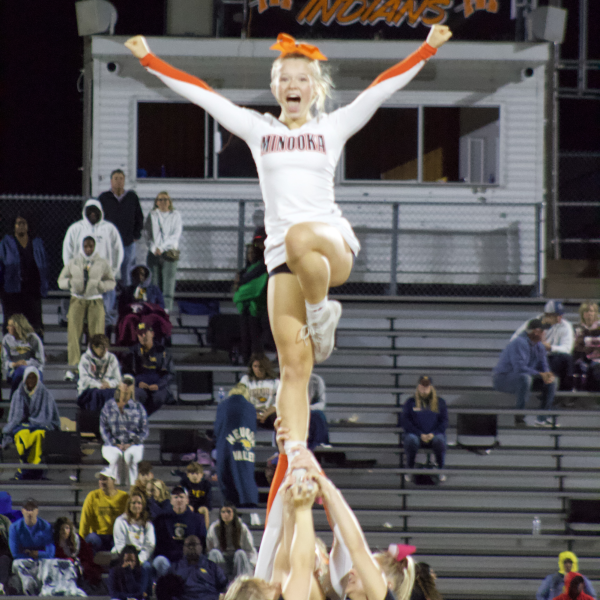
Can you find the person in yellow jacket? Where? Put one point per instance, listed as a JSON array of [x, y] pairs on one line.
[[100, 509], [553, 585]]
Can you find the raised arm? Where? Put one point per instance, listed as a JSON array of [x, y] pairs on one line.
[[353, 117], [238, 120]]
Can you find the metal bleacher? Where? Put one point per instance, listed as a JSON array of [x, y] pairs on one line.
[[476, 528]]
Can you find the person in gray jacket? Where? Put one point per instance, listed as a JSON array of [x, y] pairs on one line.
[[87, 277]]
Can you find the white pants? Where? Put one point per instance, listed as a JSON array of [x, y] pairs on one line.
[[123, 463]]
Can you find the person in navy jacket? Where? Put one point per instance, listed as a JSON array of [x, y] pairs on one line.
[[23, 274], [425, 419], [235, 430]]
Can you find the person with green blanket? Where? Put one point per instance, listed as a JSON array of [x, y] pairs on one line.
[[250, 298]]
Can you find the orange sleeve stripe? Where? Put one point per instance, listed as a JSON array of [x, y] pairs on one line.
[[156, 64], [424, 52], [280, 471]]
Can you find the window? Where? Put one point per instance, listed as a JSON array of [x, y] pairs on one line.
[[385, 148], [172, 140], [459, 144]]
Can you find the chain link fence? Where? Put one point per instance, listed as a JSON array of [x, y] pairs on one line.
[[579, 205], [408, 248]]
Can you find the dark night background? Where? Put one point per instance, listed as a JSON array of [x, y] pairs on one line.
[[41, 58]]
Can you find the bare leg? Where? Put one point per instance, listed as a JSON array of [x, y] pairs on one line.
[[287, 315], [319, 256]]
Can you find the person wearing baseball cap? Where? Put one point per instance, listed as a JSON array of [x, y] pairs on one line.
[[559, 342], [523, 367], [424, 419]]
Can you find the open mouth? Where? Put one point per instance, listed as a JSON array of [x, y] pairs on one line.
[[293, 101]]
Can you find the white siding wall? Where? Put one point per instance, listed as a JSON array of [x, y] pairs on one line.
[[521, 180]]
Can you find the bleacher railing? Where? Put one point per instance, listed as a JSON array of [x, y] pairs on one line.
[[408, 248]]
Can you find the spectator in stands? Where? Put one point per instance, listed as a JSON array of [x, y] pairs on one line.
[[586, 352], [230, 545], [23, 275], [151, 365], [158, 498], [101, 508], [124, 427], [128, 579], [5, 555], [122, 208], [318, 428], [574, 588], [523, 367], [199, 490], [553, 585], [71, 546], [87, 277], [235, 429], [425, 419], [99, 374], [424, 588], [21, 348], [172, 528], [169, 587], [262, 384], [558, 341], [33, 411], [30, 539], [250, 297], [164, 228], [203, 579], [145, 475], [142, 301], [134, 528], [108, 246]]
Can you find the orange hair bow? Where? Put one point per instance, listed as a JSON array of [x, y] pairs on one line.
[[286, 44]]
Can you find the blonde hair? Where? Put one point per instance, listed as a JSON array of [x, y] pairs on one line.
[[400, 574], [245, 587], [168, 198], [160, 485], [320, 79], [239, 389], [433, 403], [22, 326], [586, 306]]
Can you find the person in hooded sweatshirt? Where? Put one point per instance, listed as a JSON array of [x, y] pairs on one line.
[[553, 585], [99, 374], [108, 246], [574, 588], [33, 411], [142, 302], [87, 277]]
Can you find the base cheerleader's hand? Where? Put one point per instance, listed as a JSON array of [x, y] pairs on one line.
[[437, 37], [139, 46]]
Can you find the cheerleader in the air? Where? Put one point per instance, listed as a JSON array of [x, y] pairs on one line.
[[310, 247]]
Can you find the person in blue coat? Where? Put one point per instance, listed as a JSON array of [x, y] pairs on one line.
[[235, 430], [23, 274], [425, 419], [127, 579]]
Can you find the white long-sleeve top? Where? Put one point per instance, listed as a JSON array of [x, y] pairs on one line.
[[140, 536], [561, 336], [94, 370], [164, 230], [108, 239], [296, 167], [246, 541]]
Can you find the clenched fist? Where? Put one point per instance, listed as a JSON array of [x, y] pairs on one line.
[[139, 46], [437, 37]]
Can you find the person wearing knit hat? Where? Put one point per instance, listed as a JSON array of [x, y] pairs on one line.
[[559, 342], [553, 585]]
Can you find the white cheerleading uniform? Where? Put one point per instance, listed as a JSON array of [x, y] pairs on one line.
[[296, 167]]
